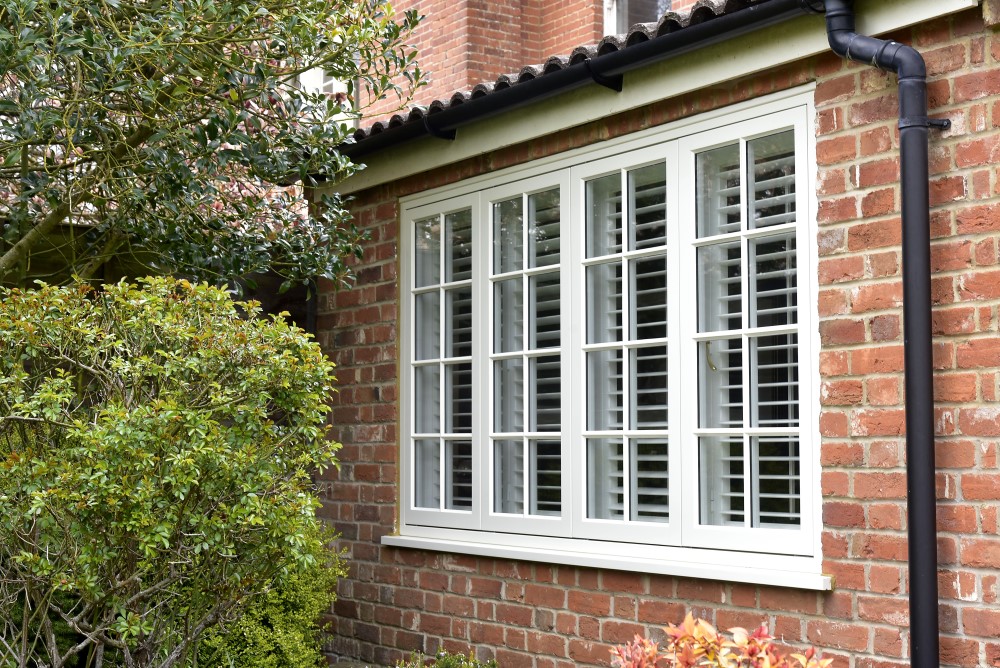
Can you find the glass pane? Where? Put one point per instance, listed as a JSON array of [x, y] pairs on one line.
[[508, 225], [774, 300], [428, 252], [546, 384], [719, 305], [772, 181], [458, 398], [604, 303], [776, 381], [543, 228], [544, 311], [718, 189], [720, 365], [546, 464], [604, 216], [458, 246], [778, 486], [508, 477], [458, 316], [651, 476], [427, 473], [649, 388], [604, 390], [723, 483], [649, 298], [428, 326], [508, 315], [605, 479], [508, 395], [427, 399], [458, 476], [647, 188]]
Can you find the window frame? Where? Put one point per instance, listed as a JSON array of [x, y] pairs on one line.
[[573, 537]]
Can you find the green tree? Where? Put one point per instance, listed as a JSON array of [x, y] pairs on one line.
[[156, 444], [166, 128]]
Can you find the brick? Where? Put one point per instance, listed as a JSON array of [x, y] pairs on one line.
[[980, 622], [884, 579], [877, 359], [878, 172], [843, 514], [865, 236], [977, 85], [880, 485], [955, 387], [879, 203], [978, 353], [876, 297], [980, 552], [978, 219], [838, 635], [980, 421], [979, 285], [885, 610], [839, 149], [842, 331], [836, 270], [882, 391]]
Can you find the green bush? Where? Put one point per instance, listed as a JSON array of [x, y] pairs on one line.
[[445, 660], [280, 629], [156, 444]]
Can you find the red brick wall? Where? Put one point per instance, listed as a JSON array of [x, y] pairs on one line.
[[544, 616], [465, 42]]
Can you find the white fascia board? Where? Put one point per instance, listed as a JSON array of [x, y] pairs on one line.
[[755, 52]]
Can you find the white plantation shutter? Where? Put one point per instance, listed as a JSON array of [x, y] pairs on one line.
[[749, 368]]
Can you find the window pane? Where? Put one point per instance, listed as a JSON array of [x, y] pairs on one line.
[[427, 399], [543, 229], [544, 311], [458, 476], [723, 484], [458, 246], [428, 252], [719, 306], [546, 384], [779, 491], [604, 216], [604, 303], [717, 180], [720, 366], [772, 182], [508, 395], [643, 11], [546, 492], [604, 390], [605, 479], [649, 388], [648, 212], [427, 473], [508, 226], [428, 326], [458, 316], [774, 286], [649, 298], [508, 315], [776, 386], [508, 477], [651, 473], [458, 398]]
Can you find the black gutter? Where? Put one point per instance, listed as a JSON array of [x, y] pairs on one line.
[[605, 70], [917, 348]]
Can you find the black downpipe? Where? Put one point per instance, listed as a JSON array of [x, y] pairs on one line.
[[605, 70], [907, 63]]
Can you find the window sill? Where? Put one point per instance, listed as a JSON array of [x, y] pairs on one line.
[[781, 570]]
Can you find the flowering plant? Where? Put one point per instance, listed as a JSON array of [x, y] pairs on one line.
[[697, 643]]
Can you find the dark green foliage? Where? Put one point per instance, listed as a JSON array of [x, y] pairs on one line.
[[444, 659], [156, 443]]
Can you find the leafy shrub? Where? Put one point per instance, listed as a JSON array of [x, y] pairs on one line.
[[156, 442], [279, 629], [445, 660], [697, 643]]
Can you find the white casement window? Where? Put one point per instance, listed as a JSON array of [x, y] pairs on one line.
[[610, 357]]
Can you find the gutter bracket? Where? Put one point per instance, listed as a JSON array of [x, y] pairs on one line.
[[812, 6], [440, 134], [615, 83]]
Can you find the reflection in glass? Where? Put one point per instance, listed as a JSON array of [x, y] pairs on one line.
[[649, 298], [458, 398], [508, 477], [647, 206], [543, 228], [720, 365], [776, 386], [649, 388], [508, 395], [772, 181], [458, 246], [605, 479], [604, 390], [717, 183], [723, 476], [458, 477], [650, 473], [719, 305], [545, 406], [604, 215], [508, 228], [427, 399], [428, 252], [604, 303], [428, 326], [546, 492], [458, 316], [779, 483], [427, 473], [508, 315], [544, 311], [774, 286]]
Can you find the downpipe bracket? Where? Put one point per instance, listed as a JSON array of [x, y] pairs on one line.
[[918, 122]]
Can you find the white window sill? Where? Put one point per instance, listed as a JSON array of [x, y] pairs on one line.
[[780, 571]]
